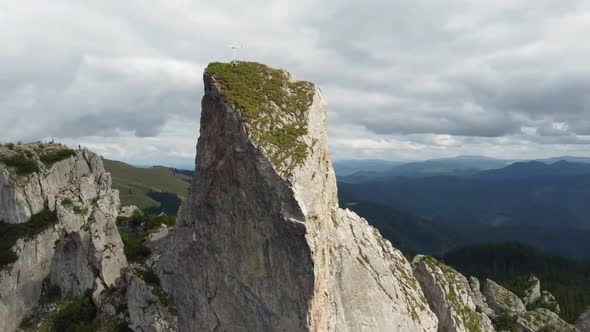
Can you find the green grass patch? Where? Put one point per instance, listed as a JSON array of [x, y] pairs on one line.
[[51, 156], [10, 233], [20, 163], [76, 316], [79, 210], [134, 231], [271, 104], [505, 322], [135, 184]]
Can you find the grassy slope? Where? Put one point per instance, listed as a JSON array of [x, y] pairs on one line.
[[135, 183]]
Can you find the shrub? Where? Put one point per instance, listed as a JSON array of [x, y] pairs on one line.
[[67, 202], [22, 164], [10, 233], [150, 277], [133, 246], [134, 231], [77, 315], [79, 210], [50, 157], [505, 322]]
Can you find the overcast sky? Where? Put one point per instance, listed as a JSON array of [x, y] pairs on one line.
[[404, 80]]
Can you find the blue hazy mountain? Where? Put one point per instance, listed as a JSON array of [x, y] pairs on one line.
[[523, 193], [538, 168], [457, 166], [347, 167]]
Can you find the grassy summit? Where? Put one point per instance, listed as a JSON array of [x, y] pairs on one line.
[[25, 159], [272, 105]]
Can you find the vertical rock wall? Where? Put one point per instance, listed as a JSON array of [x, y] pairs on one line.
[[261, 244], [82, 249]]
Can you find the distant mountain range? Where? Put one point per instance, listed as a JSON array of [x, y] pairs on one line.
[[413, 234], [348, 167], [527, 169], [458, 166], [523, 193]]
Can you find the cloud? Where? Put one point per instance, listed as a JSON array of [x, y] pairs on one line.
[[403, 80]]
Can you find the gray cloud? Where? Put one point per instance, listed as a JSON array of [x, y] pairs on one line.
[[413, 80]]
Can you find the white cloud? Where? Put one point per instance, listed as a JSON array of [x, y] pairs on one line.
[[404, 80]]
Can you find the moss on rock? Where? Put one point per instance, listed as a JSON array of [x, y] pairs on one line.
[[29, 158], [272, 105]]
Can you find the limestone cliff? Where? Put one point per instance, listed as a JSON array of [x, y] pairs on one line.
[[58, 216], [260, 243]]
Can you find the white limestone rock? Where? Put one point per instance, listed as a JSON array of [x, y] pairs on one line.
[[128, 211], [149, 307], [260, 244], [502, 300], [542, 319], [449, 296], [583, 322], [82, 247], [533, 292], [480, 301]]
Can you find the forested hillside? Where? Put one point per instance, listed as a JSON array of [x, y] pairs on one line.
[[510, 264]]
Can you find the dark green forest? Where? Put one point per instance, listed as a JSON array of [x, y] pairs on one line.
[[511, 263]]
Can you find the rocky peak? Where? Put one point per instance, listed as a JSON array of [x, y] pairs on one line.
[[260, 242], [58, 216]]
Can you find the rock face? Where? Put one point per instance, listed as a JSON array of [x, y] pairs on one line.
[[542, 319], [502, 300], [148, 307], [260, 243], [449, 296], [533, 293], [82, 250], [480, 301], [583, 322]]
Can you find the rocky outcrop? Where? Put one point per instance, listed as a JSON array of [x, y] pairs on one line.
[[260, 243], [583, 322], [149, 307], [480, 301], [80, 250], [542, 319], [547, 301], [128, 211], [502, 300], [533, 292], [449, 296]]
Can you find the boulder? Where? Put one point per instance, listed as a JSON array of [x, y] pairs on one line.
[[533, 292], [480, 301], [542, 319], [449, 296], [501, 300]]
